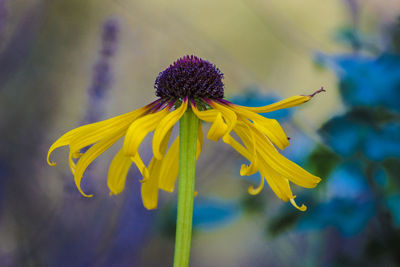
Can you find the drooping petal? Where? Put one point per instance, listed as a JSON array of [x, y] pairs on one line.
[[65, 139], [218, 128], [90, 155], [205, 115], [141, 166], [278, 184], [276, 178], [285, 103], [170, 165], [165, 125], [228, 115], [270, 127], [248, 138], [150, 187], [282, 165], [237, 146], [71, 162], [139, 129], [89, 134], [117, 172]]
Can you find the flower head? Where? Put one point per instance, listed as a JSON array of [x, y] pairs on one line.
[[190, 77], [196, 84]]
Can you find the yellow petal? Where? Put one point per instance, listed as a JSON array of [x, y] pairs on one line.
[[170, 164], [170, 167], [150, 187], [270, 127], [238, 147], [165, 125], [139, 129], [140, 165], [277, 183], [89, 134], [285, 103], [206, 115], [282, 165], [302, 208], [117, 172], [72, 164], [90, 155], [277, 178], [218, 128], [65, 139], [250, 149], [228, 115], [255, 191], [248, 138]]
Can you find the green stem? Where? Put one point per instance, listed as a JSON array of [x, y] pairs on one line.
[[188, 131]]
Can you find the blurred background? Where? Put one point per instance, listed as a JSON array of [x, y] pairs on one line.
[[68, 62]]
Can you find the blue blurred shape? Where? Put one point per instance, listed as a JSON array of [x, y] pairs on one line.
[[343, 135], [366, 81], [347, 181], [383, 142], [393, 204], [253, 97], [211, 213], [347, 135], [349, 204], [346, 215]]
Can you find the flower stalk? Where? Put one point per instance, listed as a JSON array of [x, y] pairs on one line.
[[188, 131]]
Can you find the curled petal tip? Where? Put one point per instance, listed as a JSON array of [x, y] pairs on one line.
[[51, 163], [253, 191], [302, 208]]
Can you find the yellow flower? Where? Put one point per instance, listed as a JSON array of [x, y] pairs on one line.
[[196, 84]]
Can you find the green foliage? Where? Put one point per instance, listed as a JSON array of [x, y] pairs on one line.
[[253, 204], [284, 221], [322, 161]]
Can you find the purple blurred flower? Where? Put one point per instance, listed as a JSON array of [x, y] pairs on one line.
[[3, 18], [102, 76]]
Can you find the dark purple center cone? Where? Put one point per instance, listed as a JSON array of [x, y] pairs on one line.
[[191, 77]]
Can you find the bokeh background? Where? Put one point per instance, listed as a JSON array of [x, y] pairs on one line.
[[68, 62]]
